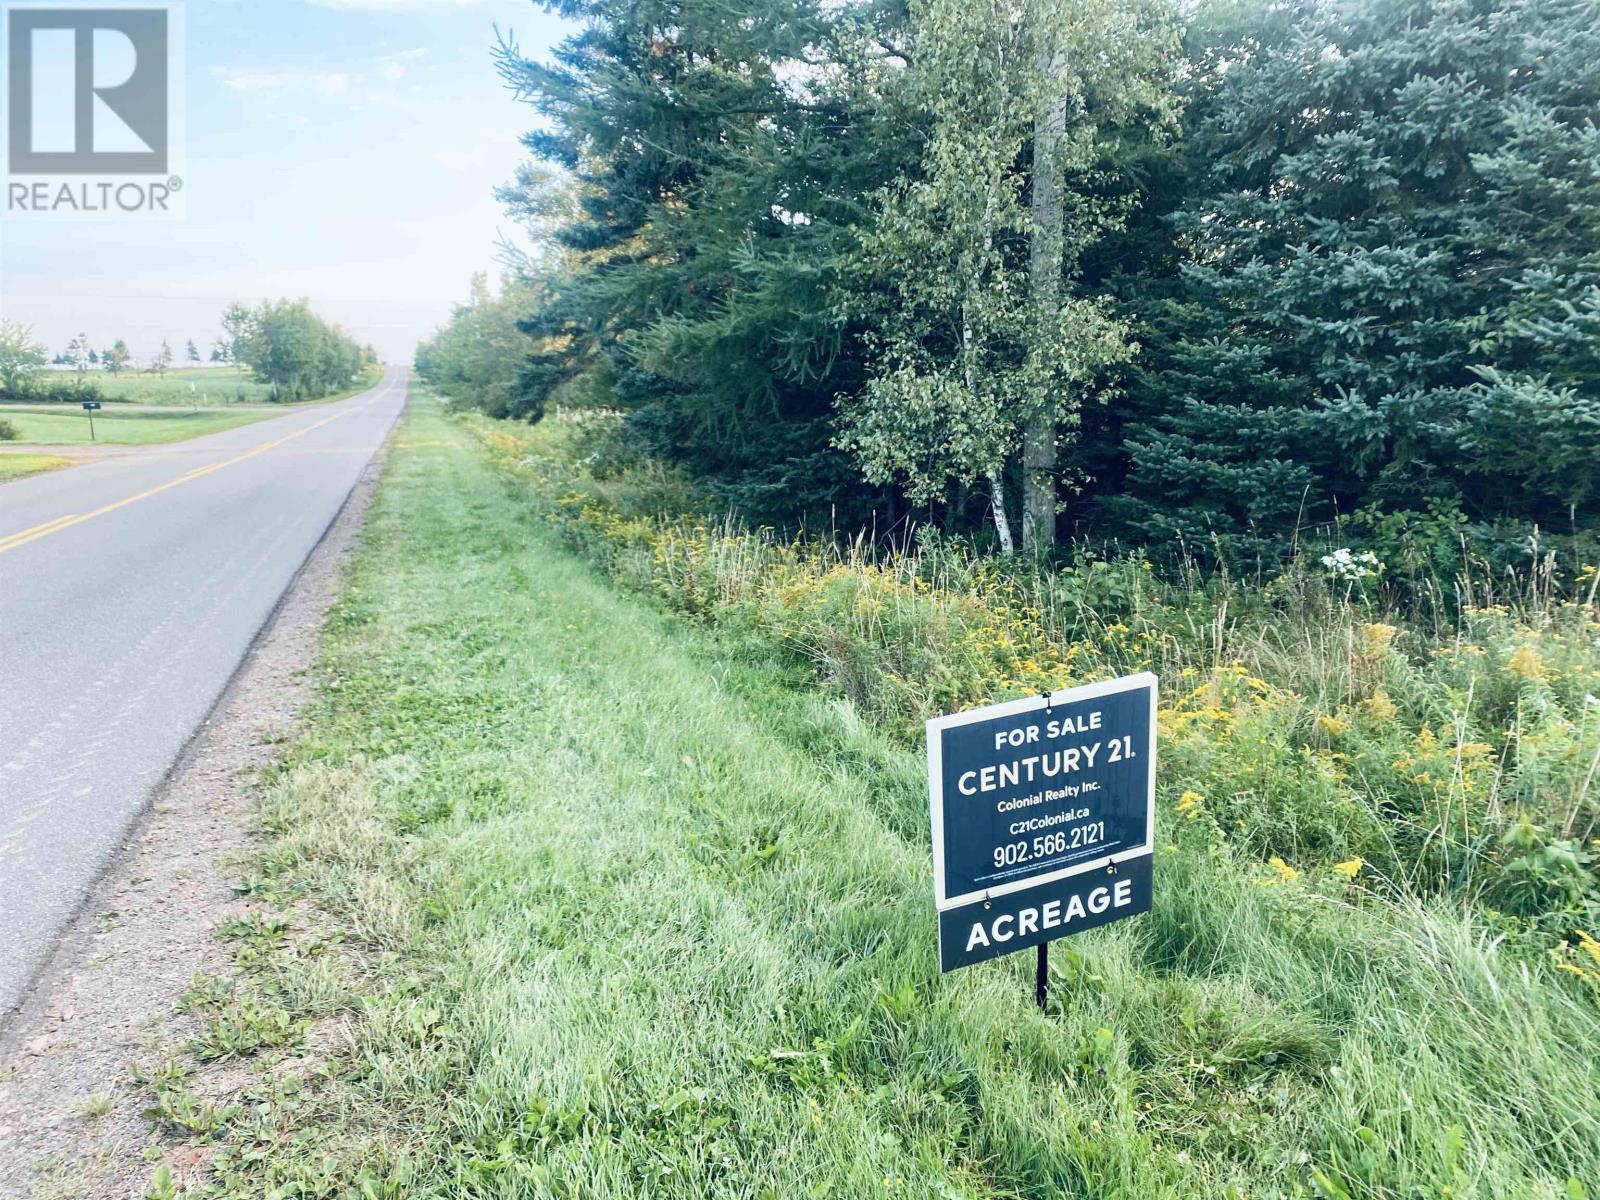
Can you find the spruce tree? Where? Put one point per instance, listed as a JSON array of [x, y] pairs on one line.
[[719, 159], [1391, 271]]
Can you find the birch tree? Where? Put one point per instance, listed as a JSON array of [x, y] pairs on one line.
[[974, 347]]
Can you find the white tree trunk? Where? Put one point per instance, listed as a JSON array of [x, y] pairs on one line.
[[1002, 523], [997, 489]]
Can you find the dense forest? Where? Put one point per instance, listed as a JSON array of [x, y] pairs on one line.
[[1230, 278]]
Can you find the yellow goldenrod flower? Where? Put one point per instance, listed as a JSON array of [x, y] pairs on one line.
[[1380, 708], [1376, 638], [1284, 872], [1189, 804], [1349, 868], [1526, 663], [1589, 946], [1331, 725]]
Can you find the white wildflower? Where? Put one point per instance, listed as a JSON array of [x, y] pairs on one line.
[[1348, 565]]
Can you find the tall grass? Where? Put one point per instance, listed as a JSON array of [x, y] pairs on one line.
[[588, 902], [1305, 719]]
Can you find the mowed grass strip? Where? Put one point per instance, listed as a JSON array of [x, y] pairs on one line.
[[20, 466], [634, 911], [129, 425]]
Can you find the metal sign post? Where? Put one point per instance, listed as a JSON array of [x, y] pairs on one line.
[[1043, 815]]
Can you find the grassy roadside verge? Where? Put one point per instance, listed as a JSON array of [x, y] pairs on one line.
[[127, 426], [20, 466], [613, 906]]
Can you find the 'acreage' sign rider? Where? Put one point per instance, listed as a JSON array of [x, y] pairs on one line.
[[1043, 817]]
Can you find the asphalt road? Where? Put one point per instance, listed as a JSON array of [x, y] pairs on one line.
[[130, 590]]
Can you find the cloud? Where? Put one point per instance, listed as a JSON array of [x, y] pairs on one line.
[[369, 84], [390, 5], [393, 67], [251, 81]]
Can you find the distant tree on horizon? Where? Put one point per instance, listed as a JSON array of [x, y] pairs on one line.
[[237, 323], [116, 359], [77, 355], [289, 346], [191, 351]]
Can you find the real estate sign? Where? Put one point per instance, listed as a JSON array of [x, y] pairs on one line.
[[1043, 817]]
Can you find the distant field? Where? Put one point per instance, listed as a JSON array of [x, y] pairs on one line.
[[210, 386], [164, 411], [20, 466], [206, 387]]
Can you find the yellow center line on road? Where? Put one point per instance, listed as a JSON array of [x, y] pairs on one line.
[[41, 530], [23, 537]]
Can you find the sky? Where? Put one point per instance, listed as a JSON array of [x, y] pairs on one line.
[[345, 151]]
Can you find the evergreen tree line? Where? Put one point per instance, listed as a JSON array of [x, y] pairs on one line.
[[1087, 268], [116, 358]]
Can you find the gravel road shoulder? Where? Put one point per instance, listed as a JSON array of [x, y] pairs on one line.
[[71, 1117]]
